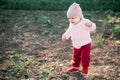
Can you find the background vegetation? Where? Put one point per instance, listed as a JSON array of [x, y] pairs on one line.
[[60, 4]]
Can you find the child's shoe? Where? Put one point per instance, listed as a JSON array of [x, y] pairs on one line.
[[71, 70], [85, 71]]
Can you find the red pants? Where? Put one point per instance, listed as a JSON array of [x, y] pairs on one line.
[[82, 56]]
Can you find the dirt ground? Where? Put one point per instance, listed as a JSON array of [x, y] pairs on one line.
[[36, 36]]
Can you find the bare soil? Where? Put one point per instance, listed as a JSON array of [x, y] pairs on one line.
[[37, 36]]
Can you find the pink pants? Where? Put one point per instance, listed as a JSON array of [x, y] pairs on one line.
[[82, 56]]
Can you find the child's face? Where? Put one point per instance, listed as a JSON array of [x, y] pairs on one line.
[[74, 20]]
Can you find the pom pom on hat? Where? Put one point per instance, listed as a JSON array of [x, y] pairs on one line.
[[74, 11]]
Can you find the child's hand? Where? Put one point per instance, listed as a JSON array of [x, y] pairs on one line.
[[64, 38], [89, 24]]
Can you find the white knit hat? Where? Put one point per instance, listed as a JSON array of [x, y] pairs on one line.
[[74, 11]]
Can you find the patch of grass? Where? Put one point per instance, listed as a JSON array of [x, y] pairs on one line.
[[117, 42], [46, 32], [99, 40], [47, 21], [87, 14], [116, 29], [18, 64], [45, 72], [35, 43], [4, 16], [34, 36], [114, 23], [20, 25], [90, 15], [100, 20], [36, 17]]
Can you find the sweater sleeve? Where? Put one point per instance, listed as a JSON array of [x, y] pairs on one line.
[[67, 34], [93, 27]]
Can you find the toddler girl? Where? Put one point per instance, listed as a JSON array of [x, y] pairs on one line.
[[79, 30]]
